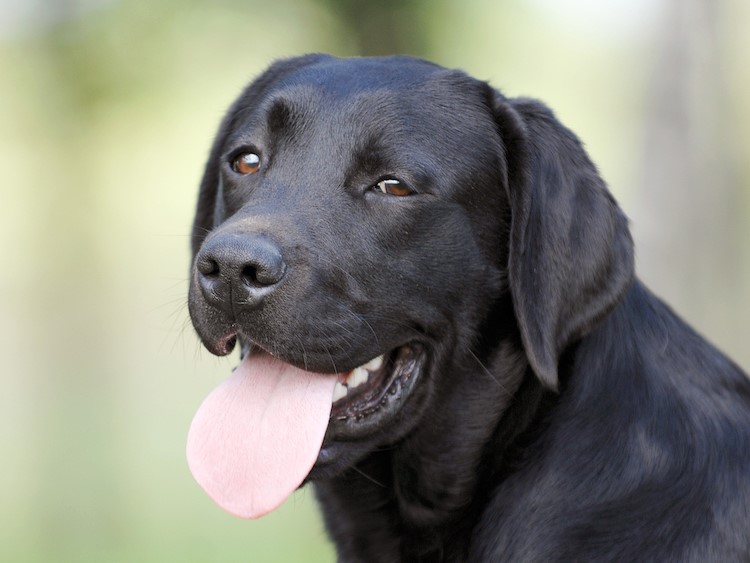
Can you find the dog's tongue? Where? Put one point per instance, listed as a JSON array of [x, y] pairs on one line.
[[257, 435]]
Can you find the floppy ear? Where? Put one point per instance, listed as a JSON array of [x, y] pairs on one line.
[[209, 209], [570, 254]]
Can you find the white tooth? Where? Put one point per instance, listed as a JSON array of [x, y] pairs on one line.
[[358, 377], [374, 364], [339, 391]]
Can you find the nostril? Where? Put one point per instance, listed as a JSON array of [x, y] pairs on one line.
[[262, 275], [208, 267], [250, 276]]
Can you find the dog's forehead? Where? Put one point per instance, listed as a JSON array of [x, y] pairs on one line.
[[342, 78], [390, 98], [342, 85]]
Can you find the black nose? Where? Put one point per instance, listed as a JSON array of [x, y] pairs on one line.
[[239, 270]]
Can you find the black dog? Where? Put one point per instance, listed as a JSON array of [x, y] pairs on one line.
[[523, 397]]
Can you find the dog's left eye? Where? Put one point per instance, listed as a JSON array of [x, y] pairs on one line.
[[392, 186], [246, 163]]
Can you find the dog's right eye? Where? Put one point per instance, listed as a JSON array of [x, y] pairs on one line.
[[246, 163], [391, 186]]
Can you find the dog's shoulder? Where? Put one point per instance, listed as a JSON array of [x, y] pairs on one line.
[[646, 453]]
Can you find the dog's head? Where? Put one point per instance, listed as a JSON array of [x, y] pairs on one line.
[[364, 217]]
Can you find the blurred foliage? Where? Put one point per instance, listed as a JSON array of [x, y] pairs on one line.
[[384, 27], [108, 108]]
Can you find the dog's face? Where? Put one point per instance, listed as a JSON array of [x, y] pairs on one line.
[[371, 213], [354, 219]]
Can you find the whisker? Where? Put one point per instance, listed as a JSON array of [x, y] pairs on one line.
[[488, 372], [304, 352], [338, 267], [333, 362], [368, 477]]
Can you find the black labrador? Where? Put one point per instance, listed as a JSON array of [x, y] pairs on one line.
[[505, 388]]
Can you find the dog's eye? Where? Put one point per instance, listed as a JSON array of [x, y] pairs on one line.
[[391, 186], [246, 163]]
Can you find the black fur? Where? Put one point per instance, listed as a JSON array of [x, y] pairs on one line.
[[563, 413]]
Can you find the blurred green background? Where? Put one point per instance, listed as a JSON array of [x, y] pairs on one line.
[[108, 108]]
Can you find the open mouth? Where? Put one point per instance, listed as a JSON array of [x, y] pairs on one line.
[[367, 398], [372, 386]]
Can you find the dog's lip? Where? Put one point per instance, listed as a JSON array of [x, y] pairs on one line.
[[228, 342], [223, 344], [386, 379], [374, 408]]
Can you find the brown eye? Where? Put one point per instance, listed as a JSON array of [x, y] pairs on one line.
[[246, 163], [393, 187]]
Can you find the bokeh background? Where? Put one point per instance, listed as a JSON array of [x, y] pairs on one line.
[[107, 109]]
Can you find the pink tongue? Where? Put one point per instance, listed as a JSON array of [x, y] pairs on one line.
[[257, 435]]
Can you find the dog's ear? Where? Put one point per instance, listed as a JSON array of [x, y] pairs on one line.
[[570, 250], [208, 207]]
